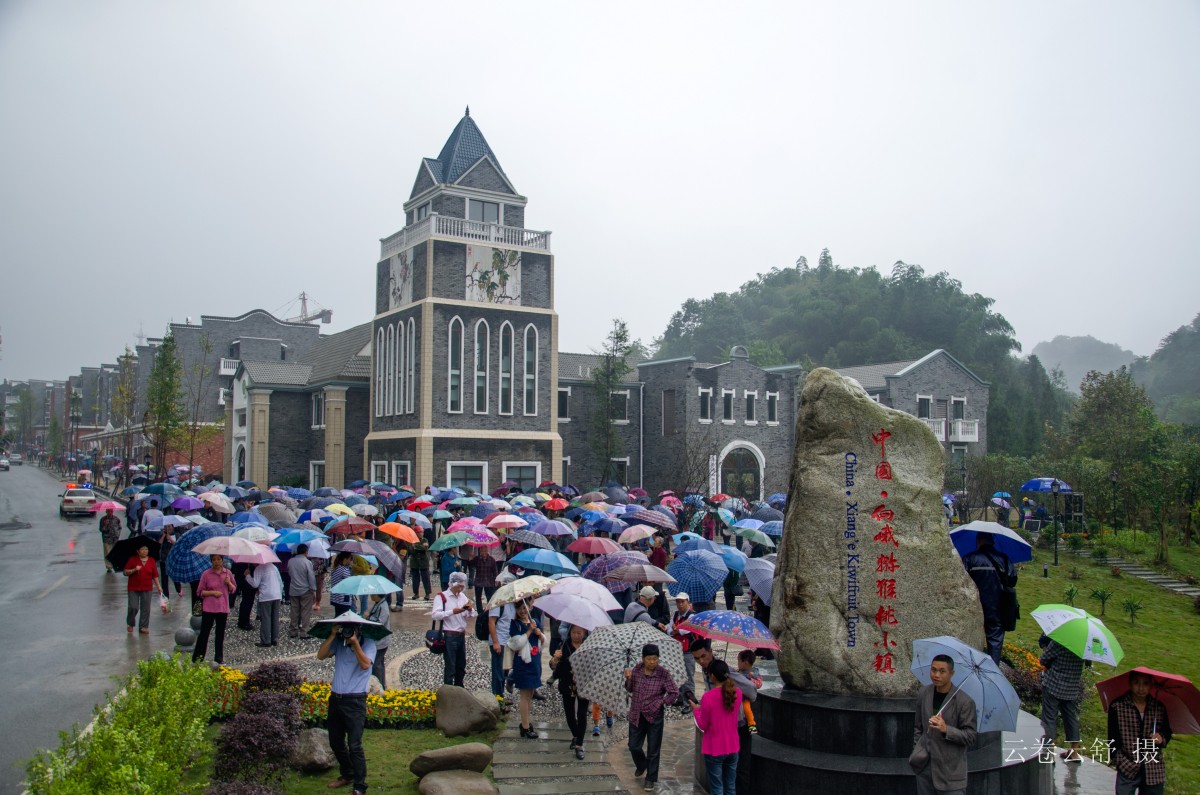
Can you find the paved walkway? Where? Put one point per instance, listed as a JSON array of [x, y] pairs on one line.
[[1149, 575]]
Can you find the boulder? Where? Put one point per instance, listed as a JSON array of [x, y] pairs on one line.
[[185, 637], [468, 756], [313, 754], [866, 565], [489, 702], [374, 688], [456, 782], [460, 713]]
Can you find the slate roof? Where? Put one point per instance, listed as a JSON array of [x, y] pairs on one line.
[[335, 357], [281, 373], [463, 149], [578, 367], [874, 376]]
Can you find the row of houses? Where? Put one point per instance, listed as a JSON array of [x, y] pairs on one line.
[[458, 379]]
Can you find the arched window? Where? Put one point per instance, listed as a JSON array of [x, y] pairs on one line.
[[400, 354], [506, 368], [389, 405], [483, 339], [454, 358], [379, 353], [412, 363], [531, 369]]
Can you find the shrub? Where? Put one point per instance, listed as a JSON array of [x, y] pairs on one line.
[[1028, 685], [1070, 594], [253, 747], [1100, 554], [1075, 574], [1116, 571], [279, 675], [242, 788], [1103, 596], [284, 706], [1132, 607], [1074, 542], [1196, 604]]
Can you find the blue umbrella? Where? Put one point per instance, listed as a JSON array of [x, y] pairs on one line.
[[1045, 485], [365, 584], [165, 489], [975, 676], [248, 517], [291, 537], [749, 524], [315, 515], [694, 500], [483, 509], [1004, 495], [735, 559], [327, 491], [321, 502], [700, 573], [685, 536], [235, 493], [355, 499], [760, 574], [182, 565], [129, 492], [544, 560], [732, 627], [665, 511], [614, 527], [767, 514], [773, 529], [699, 543], [1006, 540], [297, 493], [778, 496], [356, 484]]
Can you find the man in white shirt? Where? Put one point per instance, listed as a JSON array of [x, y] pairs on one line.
[[149, 514], [452, 607], [499, 621], [267, 580]]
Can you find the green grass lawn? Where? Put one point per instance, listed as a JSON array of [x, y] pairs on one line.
[[388, 753], [1164, 638], [1182, 561]]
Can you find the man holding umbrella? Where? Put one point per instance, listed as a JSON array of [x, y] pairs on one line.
[[943, 731], [353, 656], [992, 572]]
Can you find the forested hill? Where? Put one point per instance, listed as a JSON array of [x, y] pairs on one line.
[[838, 317], [1077, 356], [1171, 375]]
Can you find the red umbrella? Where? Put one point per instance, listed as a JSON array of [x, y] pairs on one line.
[[594, 545], [719, 497], [350, 527], [556, 504], [420, 505], [1177, 693], [107, 505]]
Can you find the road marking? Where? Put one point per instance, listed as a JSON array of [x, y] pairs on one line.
[[57, 583]]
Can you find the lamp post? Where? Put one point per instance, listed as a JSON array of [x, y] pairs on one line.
[[1054, 489], [148, 468], [966, 506], [1112, 478]]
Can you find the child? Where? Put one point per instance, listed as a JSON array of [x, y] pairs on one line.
[[746, 668]]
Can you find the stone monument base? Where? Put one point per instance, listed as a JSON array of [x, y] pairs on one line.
[[816, 743]]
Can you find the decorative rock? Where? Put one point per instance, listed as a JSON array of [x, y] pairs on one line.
[[459, 713], [373, 687], [313, 754], [489, 702], [866, 565], [468, 756], [195, 622], [185, 637], [456, 782]]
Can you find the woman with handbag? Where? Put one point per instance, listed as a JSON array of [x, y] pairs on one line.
[[524, 639], [575, 706]]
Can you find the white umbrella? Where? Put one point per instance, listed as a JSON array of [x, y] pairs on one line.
[[574, 610], [256, 534], [218, 502], [366, 510], [588, 589]]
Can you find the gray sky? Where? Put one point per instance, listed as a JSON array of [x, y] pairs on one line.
[[161, 160]]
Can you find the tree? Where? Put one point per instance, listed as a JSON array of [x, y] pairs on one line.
[[608, 377], [195, 431], [54, 439], [24, 415], [164, 399], [124, 402]]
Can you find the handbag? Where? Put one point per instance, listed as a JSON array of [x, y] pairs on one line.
[[435, 639], [919, 757]]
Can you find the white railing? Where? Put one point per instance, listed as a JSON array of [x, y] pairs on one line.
[[964, 430], [462, 229], [938, 426], [222, 396], [228, 366]]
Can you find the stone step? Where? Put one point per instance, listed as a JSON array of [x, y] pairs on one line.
[[609, 785], [563, 734], [570, 770]]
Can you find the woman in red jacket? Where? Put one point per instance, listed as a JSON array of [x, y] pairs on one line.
[[717, 717]]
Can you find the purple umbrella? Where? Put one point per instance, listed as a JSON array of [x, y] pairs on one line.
[[186, 503], [602, 565]]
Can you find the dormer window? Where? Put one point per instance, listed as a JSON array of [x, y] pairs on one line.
[[487, 212], [421, 212]]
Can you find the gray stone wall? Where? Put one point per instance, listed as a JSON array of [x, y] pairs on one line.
[[586, 465], [89, 384], [404, 420], [514, 215], [290, 439], [358, 404], [453, 206], [449, 269], [491, 452], [383, 275], [484, 176], [536, 270], [942, 379], [391, 450]]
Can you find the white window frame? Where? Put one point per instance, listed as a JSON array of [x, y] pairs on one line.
[[772, 396], [917, 407], [525, 374], [484, 481], [311, 472], [566, 468], [625, 460], [450, 370], [318, 398], [504, 465], [389, 384], [484, 370], [377, 464], [953, 400], [746, 395], [706, 391], [418, 215], [394, 466], [874, 396], [732, 393], [507, 376], [499, 212], [955, 450], [412, 364], [625, 393], [561, 418], [379, 354], [400, 356]]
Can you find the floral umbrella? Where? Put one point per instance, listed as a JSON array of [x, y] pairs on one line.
[[732, 627]]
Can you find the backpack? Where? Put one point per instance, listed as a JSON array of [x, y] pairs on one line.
[[482, 629], [435, 639]]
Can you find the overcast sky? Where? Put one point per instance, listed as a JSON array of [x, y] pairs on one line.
[[160, 160]]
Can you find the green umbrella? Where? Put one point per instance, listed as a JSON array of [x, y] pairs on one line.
[[449, 541], [756, 537], [1079, 632]]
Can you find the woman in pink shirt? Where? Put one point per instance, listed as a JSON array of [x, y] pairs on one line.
[[717, 717], [214, 588]]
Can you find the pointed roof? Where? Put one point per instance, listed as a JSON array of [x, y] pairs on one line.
[[463, 149]]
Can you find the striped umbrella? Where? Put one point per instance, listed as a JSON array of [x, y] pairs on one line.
[[652, 518], [529, 539], [694, 544], [634, 573], [700, 573], [760, 574], [598, 569], [593, 545], [773, 529], [182, 565]]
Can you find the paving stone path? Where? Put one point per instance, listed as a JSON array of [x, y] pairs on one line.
[[1149, 575]]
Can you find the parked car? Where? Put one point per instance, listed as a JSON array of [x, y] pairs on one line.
[[76, 501], [17, 459], [4, 464]]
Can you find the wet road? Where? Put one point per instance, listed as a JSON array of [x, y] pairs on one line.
[[62, 620]]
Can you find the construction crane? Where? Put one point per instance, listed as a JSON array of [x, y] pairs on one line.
[[305, 316]]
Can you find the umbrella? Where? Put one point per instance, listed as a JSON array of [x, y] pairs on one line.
[[278, 515], [249, 517], [519, 590], [760, 574], [685, 536], [246, 484], [591, 496], [356, 547], [449, 541], [636, 533], [556, 504], [1177, 694], [694, 544], [481, 537], [340, 509], [652, 518], [529, 538], [1003, 494], [544, 560], [599, 567], [365, 510], [463, 502], [977, 676], [229, 547], [217, 502], [757, 537], [732, 627], [700, 573], [578, 611], [402, 532], [1007, 541], [172, 520], [368, 629], [182, 565], [639, 572], [297, 493], [605, 525], [127, 548], [593, 545], [600, 663], [1045, 485], [583, 587], [315, 515], [106, 505], [507, 520], [748, 524], [255, 532], [1079, 632], [411, 518], [767, 514], [352, 526], [365, 584], [186, 503], [1001, 502], [615, 494], [299, 536], [465, 523], [165, 490]]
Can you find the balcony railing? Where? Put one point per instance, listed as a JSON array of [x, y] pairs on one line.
[[228, 366], [938, 426], [462, 229], [964, 430], [222, 396]]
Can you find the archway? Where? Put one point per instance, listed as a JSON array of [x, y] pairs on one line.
[[741, 471], [240, 468]]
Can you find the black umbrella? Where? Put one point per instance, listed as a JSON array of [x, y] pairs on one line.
[[127, 548], [615, 494], [767, 515]]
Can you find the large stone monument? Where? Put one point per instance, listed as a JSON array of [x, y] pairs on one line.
[[866, 567]]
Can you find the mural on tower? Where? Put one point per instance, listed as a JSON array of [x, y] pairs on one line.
[[493, 275], [400, 274]]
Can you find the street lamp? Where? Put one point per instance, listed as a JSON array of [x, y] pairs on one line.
[[1112, 478], [148, 468], [966, 507], [1054, 489]]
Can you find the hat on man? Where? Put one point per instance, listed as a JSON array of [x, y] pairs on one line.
[[682, 596], [458, 578], [647, 592]]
